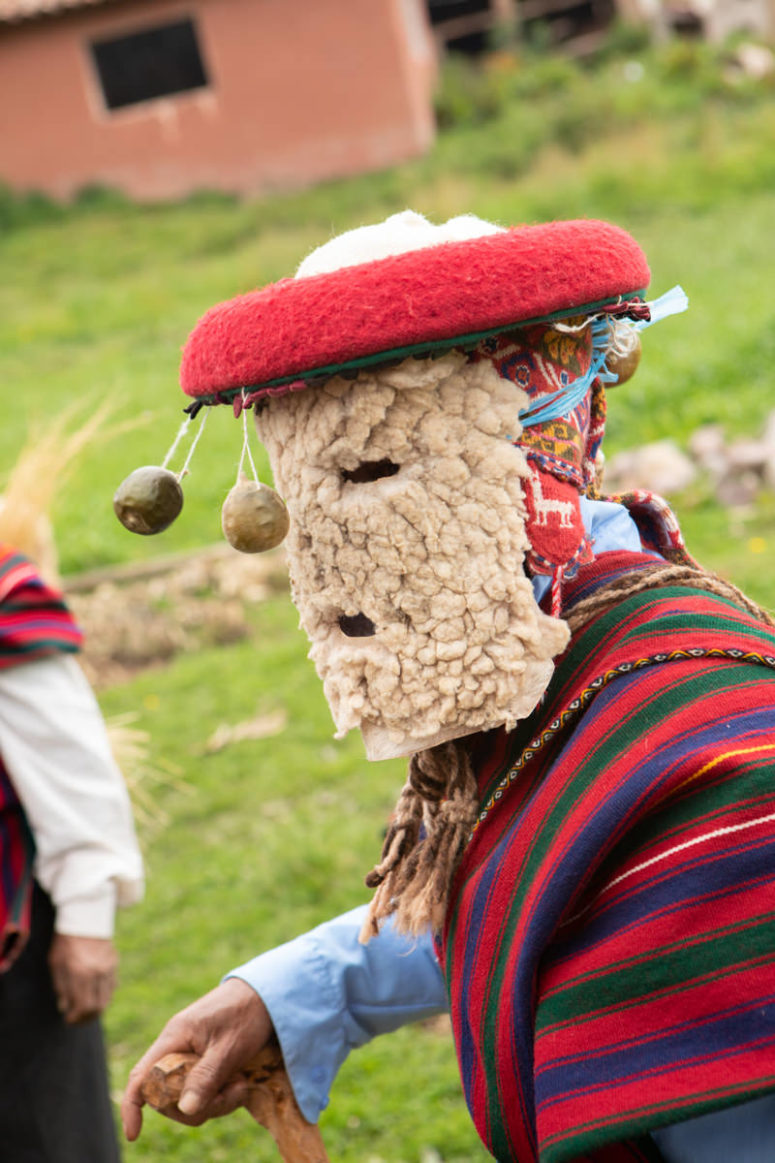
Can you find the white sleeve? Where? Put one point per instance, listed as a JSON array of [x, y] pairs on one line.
[[55, 747]]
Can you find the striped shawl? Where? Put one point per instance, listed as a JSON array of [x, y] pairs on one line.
[[610, 945]]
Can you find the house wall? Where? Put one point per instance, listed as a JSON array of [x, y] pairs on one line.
[[300, 90]]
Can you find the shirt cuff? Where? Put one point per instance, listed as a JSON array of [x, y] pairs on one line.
[[88, 916], [294, 985]]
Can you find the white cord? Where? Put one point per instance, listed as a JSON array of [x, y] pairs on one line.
[[184, 469], [245, 443], [181, 433]]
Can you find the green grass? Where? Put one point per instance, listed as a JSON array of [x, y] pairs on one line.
[[96, 301]]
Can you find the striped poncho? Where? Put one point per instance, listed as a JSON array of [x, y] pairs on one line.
[[34, 623], [610, 946]]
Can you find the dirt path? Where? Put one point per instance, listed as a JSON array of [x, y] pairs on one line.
[[141, 615]]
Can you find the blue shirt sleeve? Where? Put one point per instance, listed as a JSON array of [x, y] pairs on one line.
[[327, 994]]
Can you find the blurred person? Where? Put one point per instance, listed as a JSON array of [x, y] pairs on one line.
[[69, 858], [580, 865], [68, 852]]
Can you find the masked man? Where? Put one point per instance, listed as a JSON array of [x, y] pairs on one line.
[[581, 861]]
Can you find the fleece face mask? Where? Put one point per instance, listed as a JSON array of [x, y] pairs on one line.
[[407, 548]]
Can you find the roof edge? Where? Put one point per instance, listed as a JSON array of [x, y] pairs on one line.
[[16, 12]]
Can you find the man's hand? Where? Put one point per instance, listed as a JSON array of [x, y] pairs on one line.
[[226, 1028], [83, 973]]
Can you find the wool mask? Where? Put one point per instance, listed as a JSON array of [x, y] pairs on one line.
[[406, 550]]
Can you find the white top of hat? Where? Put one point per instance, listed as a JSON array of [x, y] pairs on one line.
[[396, 235]]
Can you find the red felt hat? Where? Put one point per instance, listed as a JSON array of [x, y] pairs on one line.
[[450, 294]]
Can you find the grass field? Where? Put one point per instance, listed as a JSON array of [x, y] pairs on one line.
[[95, 303]]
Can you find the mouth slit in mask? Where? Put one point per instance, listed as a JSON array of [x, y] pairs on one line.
[[357, 626]]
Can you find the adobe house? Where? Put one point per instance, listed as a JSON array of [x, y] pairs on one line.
[[161, 97]]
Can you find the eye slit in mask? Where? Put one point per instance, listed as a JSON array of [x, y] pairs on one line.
[[370, 470], [357, 626]]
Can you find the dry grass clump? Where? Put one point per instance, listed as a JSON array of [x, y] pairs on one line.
[[37, 475]]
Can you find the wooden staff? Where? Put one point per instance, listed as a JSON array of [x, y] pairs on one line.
[[270, 1101]]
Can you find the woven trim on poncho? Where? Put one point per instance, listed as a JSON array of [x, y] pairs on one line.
[[611, 943]]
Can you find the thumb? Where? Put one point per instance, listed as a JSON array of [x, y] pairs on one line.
[[203, 1082]]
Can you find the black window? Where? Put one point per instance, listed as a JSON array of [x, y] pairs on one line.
[[463, 25], [155, 62]]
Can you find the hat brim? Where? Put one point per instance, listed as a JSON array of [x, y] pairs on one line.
[[450, 295]]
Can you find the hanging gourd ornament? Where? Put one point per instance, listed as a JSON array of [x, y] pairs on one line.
[[623, 354], [254, 518], [149, 500]]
